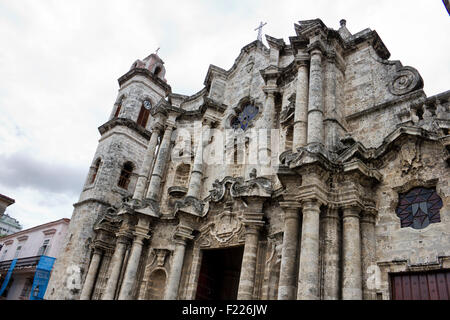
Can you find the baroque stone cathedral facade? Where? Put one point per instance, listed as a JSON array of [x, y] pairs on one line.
[[313, 169]]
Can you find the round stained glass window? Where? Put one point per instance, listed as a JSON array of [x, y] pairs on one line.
[[418, 208]]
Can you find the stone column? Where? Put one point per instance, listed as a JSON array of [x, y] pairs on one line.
[[116, 267], [368, 250], [331, 121], [315, 105], [352, 281], [160, 164], [301, 106], [129, 278], [308, 275], [146, 165], [247, 277], [331, 255], [91, 275], [287, 283], [195, 183], [181, 236]]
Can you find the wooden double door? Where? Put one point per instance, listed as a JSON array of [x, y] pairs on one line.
[[421, 286]]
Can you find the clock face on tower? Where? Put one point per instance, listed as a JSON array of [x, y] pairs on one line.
[[147, 104]]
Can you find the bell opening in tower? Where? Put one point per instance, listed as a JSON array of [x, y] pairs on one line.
[[219, 274]]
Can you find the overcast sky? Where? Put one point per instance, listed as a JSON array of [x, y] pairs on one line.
[[60, 61]]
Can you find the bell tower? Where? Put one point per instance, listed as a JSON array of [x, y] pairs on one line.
[[114, 173]]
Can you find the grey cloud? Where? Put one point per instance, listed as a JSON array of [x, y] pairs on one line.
[[24, 170]]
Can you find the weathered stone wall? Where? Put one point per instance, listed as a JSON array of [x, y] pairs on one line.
[[422, 167]]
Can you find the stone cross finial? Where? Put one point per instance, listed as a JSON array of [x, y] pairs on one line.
[[261, 25]]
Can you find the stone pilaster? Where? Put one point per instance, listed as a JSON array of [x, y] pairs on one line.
[[116, 267], [368, 249], [352, 280], [315, 104], [129, 278], [195, 182], [301, 105], [182, 235], [160, 164], [287, 283], [146, 165], [308, 275], [91, 275], [331, 255]]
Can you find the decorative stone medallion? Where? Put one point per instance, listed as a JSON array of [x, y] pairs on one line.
[[406, 79]]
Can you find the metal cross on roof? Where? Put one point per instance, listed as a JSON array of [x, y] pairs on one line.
[[156, 52], [261, 25]]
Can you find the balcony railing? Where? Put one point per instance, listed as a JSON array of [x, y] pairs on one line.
[[21, 263]]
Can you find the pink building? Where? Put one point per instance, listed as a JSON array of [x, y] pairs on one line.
[[27, 246]]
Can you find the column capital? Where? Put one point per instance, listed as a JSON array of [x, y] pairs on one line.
[[270, 89], [170, 124], [351, 211], [97, 251], [124, 237], [317, 47], [290, 205], [182, 234], [311, 203], [157, 128], [331, 213], [368, 216], [302, 60]]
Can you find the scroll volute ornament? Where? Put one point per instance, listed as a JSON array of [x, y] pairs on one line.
[[405, 80]]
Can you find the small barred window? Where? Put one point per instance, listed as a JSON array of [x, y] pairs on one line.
[[419, 207]]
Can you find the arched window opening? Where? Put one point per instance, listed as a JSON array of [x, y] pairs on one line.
[[96, 167], [156, 285], [144, 113], [157, 71], [125, 175], [119, 106], [182, 175]]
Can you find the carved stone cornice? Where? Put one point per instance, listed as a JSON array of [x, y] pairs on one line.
[[277, 44], [126, 123], [254, 187], [270, 73], [146, 73], [190, 205], [149, 207]]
